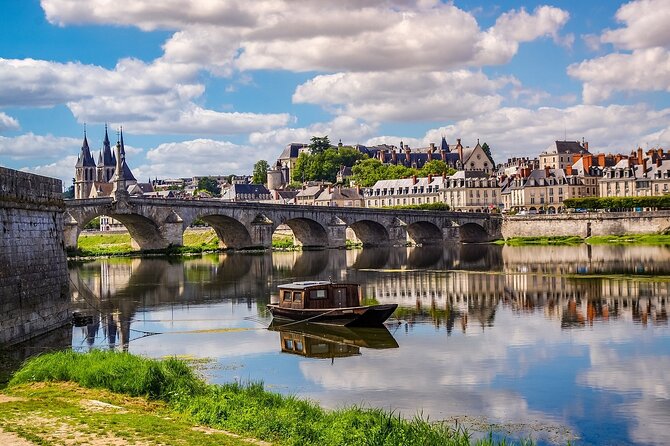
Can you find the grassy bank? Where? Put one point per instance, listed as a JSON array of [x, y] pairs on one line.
[[173, 392], [630, 239], [545, 241]]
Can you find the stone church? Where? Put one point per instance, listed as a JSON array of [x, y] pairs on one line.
[[111, 176]]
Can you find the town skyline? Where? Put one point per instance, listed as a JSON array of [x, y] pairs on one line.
[[216, 88]]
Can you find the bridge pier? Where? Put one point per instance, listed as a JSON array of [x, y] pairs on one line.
[[337, 234], [261, 234], [398, 233]]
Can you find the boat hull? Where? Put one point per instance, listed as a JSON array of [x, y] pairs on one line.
[[366, 316]]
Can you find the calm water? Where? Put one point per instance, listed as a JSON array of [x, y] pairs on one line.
[[563, 342]]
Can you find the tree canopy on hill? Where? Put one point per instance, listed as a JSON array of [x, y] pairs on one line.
[[367, 172], [323, 166]]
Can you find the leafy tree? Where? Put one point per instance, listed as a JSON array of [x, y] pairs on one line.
[[69, 193], [487, 150], [325, 165], [93, 224], [319, 144], [260, 172], [210, 185], [436, 167]]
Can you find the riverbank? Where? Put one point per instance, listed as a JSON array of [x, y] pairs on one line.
[[629, 239], [118, 398]]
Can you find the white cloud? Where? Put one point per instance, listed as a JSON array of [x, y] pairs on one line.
[[30, 145], [374, 35], [7, 122], [202, 157], [404, 95], [349, 129], [643, 70], [62, 169], [526, 132], [646, 25], [155, 97]]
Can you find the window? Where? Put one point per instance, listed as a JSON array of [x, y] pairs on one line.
[[297, 296], [317, 294], [286, 296]]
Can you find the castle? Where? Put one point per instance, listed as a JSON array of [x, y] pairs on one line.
[[110, 177]]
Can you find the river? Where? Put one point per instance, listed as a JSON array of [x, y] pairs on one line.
[[557, 343]]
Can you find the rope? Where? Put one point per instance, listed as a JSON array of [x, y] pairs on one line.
[[311, 318]]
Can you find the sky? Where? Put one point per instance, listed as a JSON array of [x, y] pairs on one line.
[[209, 87]]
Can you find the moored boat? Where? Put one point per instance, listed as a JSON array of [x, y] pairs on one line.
[[326, 302]]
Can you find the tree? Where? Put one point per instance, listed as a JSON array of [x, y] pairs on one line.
[[319, 144], [210, 185], [436, 167], [325, 165], [487, 150], [69, 193], [260, 172]]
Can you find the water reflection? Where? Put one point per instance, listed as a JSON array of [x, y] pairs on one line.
[[509, 334], [330, 341]]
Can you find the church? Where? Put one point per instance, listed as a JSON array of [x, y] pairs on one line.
[[110, 177]]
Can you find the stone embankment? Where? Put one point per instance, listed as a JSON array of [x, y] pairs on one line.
[[586, 224], [34, 295]]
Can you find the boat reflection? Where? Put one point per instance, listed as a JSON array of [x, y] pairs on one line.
[[330, 341]]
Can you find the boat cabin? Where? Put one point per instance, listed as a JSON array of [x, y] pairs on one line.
[[319, 295]]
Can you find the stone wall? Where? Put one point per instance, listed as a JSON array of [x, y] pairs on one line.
[[34, 296], [586, 224]]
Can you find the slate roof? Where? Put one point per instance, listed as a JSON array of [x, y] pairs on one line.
[[564, 148], [85, 159]]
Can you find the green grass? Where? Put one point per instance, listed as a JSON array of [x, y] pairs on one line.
[[630, 239], [247, 410], [282, 242], [117, 244], [543, 241]]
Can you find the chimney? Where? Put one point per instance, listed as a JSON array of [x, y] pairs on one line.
[[630, 161], [659, 161], [546, 171], [601, 159], [394, 156], [432, 147], [430, 151], [640, 155], [586, 145], [644, 166], [430, 178], [568, 170], [381, 154], [413, 179], [660, 153], [330, 189], [408, 151], [617, 158], [459, 147], [587, 161]]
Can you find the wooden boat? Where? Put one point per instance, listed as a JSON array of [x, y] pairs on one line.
[[326, 302]]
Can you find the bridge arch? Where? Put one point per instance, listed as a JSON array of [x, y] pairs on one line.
[[424, 232], [231, 232], [307, 233], [473, 233], [370, 233], [144, 232]]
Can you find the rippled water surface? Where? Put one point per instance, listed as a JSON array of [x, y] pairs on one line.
[[559, 343]]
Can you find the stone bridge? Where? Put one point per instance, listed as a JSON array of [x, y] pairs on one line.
[[159, 223]]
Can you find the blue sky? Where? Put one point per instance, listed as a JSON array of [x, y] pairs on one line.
[[209, 87]]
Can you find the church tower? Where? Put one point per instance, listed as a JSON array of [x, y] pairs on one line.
[[106, 161], [85, 171]]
